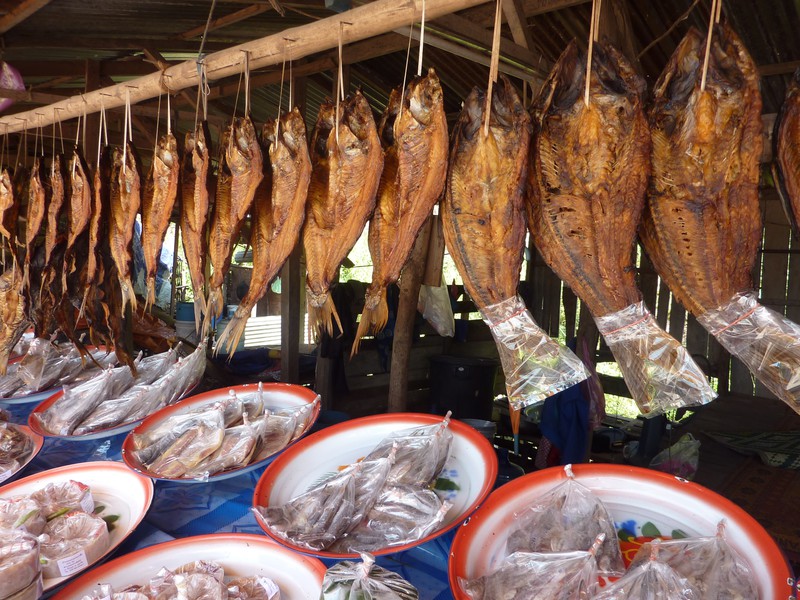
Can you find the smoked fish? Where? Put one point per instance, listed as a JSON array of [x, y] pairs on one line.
[[125, 192], [99, 231], [13, 321], [786, 143], [8, 211], [701, 225], [587, 181], [55, 207], [34, 215], [241, 170], [415, 142], [341, 197], [482, 212], [79, 212], [278, 214], [161, 190], [194, 213]]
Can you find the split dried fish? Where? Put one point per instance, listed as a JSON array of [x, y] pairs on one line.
[[125, 196]]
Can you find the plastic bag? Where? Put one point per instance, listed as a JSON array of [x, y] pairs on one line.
[[680, 459], [544, 576], [434, 304], [318, 517], [658, 370], [22, 512], [41, 366], [65, 536], [421, 453], [11, 381], [302, 416], [191, 446], [66, 413], [535, 366], [350, 580], [568, 518], [275, 432], [767, 342], [15, 447], [650, 580], [236, 450], [710, 564], [19, 561], [253, 588]]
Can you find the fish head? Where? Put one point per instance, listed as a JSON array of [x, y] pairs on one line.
[[389, 117], [322, 130], [471, 117], [614, 74], [245, 141], [682, 73], [168, 149], [565, 84], [357, 115], [424, 97], [507, 109], [5, 182], [293, 129]]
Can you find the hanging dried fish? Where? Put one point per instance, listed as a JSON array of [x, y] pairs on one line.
[[786, 142], [341, 197], [13, 321], [415, 166], [9, 210], [54, 208], [34, 215], [125, 191]]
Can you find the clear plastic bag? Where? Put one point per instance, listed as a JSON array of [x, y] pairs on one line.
[[351, 580], [41, 366], [10, 382], [659, 372], [19, 561], [236, 450], [568, 518], [302, 416], [318, 517], [15, 447], [765, 341], [192, 446], [275, 432], [420, 453], [70, 534], [535, 366], [710, 564], [434, 304], [253, 588], [544, 576], [681, 459], [650, 580], [200, 585], [22, 512]]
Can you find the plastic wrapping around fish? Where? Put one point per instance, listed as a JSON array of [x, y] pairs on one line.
[[348, 579], [278, 214], [56, 499], [414, 137], [13, 321], [15, 447], [484, 229], [72, 533], [19, 561], [125, 193], [22, 511], [347, 161], [586, 189]]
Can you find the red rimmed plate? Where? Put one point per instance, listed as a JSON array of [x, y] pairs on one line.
[[121, 491], [36, 424], [277, 396], [240, 554], [634, 497], [471, 467], [38, 442]]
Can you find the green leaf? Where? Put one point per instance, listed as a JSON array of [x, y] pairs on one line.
[[445, 485], [678, 534], [98, 509], [650, 530], [58, 513]]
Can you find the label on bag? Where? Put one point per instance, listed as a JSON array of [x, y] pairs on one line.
[[72, 564], [87, 503], [273, 591], [5, 475]]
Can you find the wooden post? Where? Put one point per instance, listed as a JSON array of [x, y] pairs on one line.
[[291, 284], [410, 282]]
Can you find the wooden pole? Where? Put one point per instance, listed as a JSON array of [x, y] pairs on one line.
[[356, 24], [410, 282]]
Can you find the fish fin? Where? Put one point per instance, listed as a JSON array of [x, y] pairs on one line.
[[231, 335], [199, 309], [150, 300], [128, 295], [373, 318], [322, 317], [213, 308]]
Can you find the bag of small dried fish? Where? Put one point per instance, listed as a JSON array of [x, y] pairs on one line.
[[236, 450], [22, 512], [544, 576], [192, 446], [650, 579], [348, 580], [567, 518], [19, 561], [710, 564], [15, 447]]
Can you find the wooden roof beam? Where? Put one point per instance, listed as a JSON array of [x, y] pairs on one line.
[[109, 43], [784, 68], [530, 8], [22, 11], [230, 19], [514, 14]]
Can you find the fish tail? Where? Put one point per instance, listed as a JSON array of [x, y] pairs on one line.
[[373, 318], [213, 308], [150, 299], [199, 309], [322, 315], [231, 336], [128, 295]]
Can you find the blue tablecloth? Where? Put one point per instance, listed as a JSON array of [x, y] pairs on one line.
[[183, 510]]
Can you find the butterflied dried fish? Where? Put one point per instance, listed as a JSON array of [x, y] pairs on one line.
[[415, 166], [194, 213], [484, 229], [241, 170], [161, 190], [191, 447], [13, 321], [347, 161], [786, 143], [55, 206], [8, 214], [125, 192], [587, 183], [278, 214], [34, 214]]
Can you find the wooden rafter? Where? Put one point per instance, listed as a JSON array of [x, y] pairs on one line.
[[108, 43], [514, 13], [230, 19], [22, 11]]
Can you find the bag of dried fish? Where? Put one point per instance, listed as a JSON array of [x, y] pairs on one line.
[[19, 561], [650, 579], [71, 542], [275, 432], [401, 514], [42, 366], [420, 453], [253, 588], [236, 450], [318, 517], [348, 579], [201, 586], [710, 565], [10, 382], [56, 499], [15, 447], [484, 229], [567, 518], [541, 575], [192, 446], [22, 512]]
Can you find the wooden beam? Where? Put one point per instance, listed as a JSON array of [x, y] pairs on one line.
[[530, 8], [292, 44], [108, 43], [230, 19], [784, 68], [22, 11], [514, 13], [75, 68]]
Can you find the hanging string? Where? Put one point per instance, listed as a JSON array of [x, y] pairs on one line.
[[53, 161], [246, 83], [719, 12], [280, 91], [203, 90], [60, 130], [706, 58], [421, 40], [339, 85], [83, 134], [592, 39], [158, 120], [169, 116], [291, 86], [125, 130], [405, 71], [3, 148], [236, 101], [493, 68]]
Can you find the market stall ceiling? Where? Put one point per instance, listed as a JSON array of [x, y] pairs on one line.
[[51, 45]]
